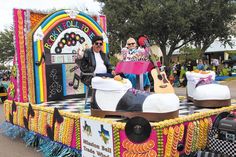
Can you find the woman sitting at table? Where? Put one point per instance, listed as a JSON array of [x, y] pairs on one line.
[[132, 53]]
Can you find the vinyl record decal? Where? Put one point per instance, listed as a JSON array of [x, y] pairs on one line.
[[137, 129], [58, 50]]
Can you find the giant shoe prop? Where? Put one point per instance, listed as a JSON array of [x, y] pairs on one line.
[[204, 91], [117, 98]]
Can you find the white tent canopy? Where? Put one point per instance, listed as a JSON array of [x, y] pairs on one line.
[[218, 46]]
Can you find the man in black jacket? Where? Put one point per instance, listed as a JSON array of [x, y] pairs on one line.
[[95, 61]]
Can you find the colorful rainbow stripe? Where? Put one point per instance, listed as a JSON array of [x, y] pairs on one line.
[[46, 25]]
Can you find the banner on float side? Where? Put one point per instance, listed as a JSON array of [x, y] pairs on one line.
[[96, 138]]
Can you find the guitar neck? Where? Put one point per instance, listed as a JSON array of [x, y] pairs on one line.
[[151, 55], [153, 60]]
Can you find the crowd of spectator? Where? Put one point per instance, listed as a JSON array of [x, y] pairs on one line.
[[176, 71], [5, 75]]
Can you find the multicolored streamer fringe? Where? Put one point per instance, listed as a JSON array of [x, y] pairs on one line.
[[43, 144]]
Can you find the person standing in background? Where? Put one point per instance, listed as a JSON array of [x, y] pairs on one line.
[[178, 69], [215, 63], [189, 66], [200, 65]]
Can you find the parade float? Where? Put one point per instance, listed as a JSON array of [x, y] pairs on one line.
[[47, 109]]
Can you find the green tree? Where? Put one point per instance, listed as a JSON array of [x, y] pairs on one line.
[[170, 23], [213, 19], [188, 53], [7, 49]]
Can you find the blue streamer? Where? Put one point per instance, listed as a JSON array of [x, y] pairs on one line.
[[11, 131], [43, 144]]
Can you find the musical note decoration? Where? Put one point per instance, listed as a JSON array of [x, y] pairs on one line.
[[76, 78], [54, 83], [30, 113], [56, 118], [13, 109]]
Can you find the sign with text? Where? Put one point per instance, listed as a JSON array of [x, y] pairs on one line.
[[96, 138], [70, 58]]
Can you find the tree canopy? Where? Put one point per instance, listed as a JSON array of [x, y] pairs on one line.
[[170, 23], [7, 49]]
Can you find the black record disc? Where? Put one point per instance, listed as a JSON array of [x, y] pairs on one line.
[[137, 129]]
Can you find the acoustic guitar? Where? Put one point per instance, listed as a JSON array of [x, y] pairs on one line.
[[161, 83]]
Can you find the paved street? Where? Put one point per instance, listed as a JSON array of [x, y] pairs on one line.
[[17, 148], [14, 147]]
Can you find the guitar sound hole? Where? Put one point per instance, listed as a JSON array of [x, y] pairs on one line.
[[165, 80], [163, 86], [159, 77]]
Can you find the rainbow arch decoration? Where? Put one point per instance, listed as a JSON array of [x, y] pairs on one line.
[[55, 41], [48, 43]]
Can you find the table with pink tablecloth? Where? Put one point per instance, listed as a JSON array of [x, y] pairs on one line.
[[135, 67]]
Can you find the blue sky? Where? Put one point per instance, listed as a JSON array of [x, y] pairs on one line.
[[6, 7]]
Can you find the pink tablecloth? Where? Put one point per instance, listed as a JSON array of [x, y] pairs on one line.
[[131, 67]]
